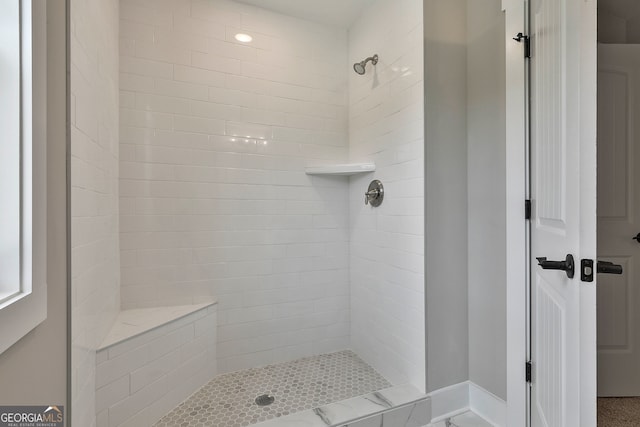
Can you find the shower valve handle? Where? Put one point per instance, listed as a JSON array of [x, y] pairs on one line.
[[371, 195], [374, 194]]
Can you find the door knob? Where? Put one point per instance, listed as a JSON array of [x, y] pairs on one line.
[[636, 238], [568, 266]]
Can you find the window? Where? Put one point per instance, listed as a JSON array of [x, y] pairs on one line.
[[23, 295], [10, 145]]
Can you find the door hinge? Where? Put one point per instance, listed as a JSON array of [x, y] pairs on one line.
[[527, 373], [520, 37], [527, 209]]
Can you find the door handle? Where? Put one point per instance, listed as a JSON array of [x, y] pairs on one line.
[[607, 267], [636, 238], [567, 265]]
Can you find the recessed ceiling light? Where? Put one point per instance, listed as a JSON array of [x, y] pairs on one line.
[[244, 38]]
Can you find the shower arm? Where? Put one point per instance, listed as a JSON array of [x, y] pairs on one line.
[[373, 59], [359, 67]]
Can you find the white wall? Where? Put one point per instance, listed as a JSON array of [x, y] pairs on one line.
[[386, 125], [23, 365], [214, 200], [486, 186], [95, 268], [446, 192], [466, 194]]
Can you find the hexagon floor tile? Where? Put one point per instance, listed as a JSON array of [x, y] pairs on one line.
[[229, 400]]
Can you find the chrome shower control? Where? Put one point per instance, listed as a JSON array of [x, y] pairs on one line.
[[375, 194]]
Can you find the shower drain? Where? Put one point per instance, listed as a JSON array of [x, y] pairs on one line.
[[264, 400]]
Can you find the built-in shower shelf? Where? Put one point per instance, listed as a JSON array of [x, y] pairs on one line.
[[345, 169]]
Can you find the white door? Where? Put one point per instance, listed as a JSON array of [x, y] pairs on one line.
[[618, 219], [563, 152]]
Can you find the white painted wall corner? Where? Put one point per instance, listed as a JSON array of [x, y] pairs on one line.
[[467, 396]]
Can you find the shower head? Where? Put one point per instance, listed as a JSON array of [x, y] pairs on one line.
[[359, 67]]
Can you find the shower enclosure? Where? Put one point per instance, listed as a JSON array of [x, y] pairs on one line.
[[220, 152]]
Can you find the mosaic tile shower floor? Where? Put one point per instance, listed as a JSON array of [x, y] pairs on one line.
[[229, 400]]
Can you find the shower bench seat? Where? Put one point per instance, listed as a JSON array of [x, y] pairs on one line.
[[153, 359]]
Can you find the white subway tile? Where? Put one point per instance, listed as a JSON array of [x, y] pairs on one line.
[[181, 39], [232, 50], [94, 211], [248, 130], [145, 67], [127, 99], [199, 125], [182, 140], [228, 176], [154, 370], [249, 314], [215, 111], [215, 63], [199, 26], [386, 125], [102, 419], [135, 31], [248, 84], [180, 89], [146, 119], [112, 393], [128, 408], [161, 104], [117, 367], [198, 76], [214, 12], [127, 47], [136, 83], [207, 326], [162, 52], [260, 41], [145, 15]]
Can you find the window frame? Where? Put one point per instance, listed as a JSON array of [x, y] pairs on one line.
[[27, 308], [10, 233]]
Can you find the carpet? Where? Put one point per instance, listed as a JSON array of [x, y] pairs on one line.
[[618, 411]]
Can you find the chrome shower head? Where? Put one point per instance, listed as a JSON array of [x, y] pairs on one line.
[[359, 67]]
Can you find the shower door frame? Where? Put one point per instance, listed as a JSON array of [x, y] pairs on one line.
[[516, 225]]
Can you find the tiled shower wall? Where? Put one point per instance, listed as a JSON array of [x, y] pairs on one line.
[[386, 125], [214, 200], [95, 293]]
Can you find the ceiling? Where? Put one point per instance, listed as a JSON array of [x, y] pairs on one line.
[[336, 13]]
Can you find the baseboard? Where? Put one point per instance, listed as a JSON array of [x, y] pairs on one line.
[[449, 401], [487, 405], [453, 400]]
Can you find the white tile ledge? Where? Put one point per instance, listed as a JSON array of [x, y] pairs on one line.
[[345, 169], [398, 406], [134, 322]]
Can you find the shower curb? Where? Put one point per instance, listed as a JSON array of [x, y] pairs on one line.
[[398, 406]]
